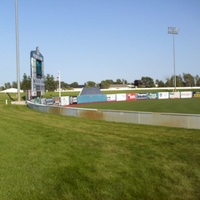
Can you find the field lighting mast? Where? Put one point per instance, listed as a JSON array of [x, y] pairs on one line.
[[59, 85], [17, 50], [173, 30]]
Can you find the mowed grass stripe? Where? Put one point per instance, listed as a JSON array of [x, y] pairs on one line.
[[47, 156]]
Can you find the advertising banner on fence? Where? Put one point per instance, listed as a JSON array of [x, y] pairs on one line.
[[196, 94], [56, 101], [120, 97], [49, 101], [131, 96], [152, 95], [73, 100], [64, 101], [111, 97], [43, 102], [187, 94], [142, 95], [163, 95], [37, 100], [174, 95]]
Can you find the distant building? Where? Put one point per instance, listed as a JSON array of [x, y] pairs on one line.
[[118, 86]]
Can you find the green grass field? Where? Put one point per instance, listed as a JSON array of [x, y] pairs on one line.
[[189, 106], [52, 157]]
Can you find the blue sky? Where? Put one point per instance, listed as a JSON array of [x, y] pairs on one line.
[[94, 40]]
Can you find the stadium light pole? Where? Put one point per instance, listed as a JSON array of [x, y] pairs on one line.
[[59, 85], [17, 49], [173, 31]]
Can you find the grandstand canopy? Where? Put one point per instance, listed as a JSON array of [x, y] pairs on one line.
[[90, 91]]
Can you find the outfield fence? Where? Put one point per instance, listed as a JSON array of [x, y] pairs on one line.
[[190, 121]]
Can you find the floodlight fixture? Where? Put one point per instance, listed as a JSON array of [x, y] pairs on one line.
[[173, 30]]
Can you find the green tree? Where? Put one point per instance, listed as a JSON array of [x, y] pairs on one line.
[[26, 82], [2, 87], [170, 82], [74, 84], [64, 85], [124, 81], [90, 84], [179, 81], [109, 81], [118, 81], [197, 80], [188, 80], [104, 84], [7, 85], [147, 81], [14, 84], [160, 83], [137, 83], [50, 83]]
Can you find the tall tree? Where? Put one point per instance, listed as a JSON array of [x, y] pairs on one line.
[[2, 87], [147, 81], [109, 81], [188, 80], [7, 85], [170, 81], [160, 83], [104, 84], [179, 81], [137, 83], [74, 84], [50, 83], [197, 80], [90, 84], [14, 84], [26, 82], [64, 85], [119, 81], [124, 81]]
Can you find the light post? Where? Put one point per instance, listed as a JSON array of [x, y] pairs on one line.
[[17, 50], [173, 30], [59, 88]]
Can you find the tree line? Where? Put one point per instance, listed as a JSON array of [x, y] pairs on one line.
[[51, 84]]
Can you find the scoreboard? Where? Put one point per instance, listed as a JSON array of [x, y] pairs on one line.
[[37, 73]]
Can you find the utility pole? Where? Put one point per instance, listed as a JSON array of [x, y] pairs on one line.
[[17, 50]]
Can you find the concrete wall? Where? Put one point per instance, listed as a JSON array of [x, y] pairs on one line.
[[190, 121]]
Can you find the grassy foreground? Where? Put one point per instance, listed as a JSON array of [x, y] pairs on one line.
[[51, 157]]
